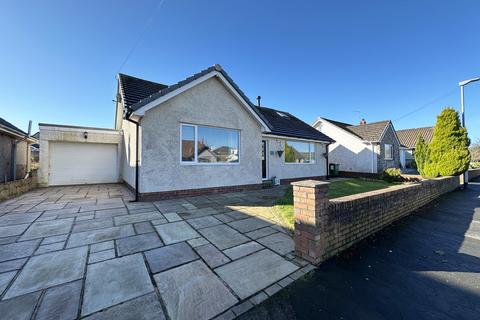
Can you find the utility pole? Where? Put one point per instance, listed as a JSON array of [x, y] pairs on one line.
[[462, 84]]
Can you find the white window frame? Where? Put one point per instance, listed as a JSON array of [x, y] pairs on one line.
[[390, 157], [301, 163], [195, 161]]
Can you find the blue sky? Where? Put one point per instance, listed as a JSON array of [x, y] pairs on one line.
[[338, 59]]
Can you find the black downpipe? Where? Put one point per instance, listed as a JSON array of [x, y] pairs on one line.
[[326, 157], [127, 117]]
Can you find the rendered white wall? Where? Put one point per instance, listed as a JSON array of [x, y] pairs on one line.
[[278, 168], [208, 103], [350, 152]]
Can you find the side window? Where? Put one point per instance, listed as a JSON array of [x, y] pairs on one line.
[[388, 151]]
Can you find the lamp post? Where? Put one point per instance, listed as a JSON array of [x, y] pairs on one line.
[[462, 84]]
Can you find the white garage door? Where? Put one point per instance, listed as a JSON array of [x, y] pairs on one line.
[[82, 163]]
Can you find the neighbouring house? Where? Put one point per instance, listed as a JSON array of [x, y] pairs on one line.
[[14, 152], [198, 136], [364, 149], [408, 140]]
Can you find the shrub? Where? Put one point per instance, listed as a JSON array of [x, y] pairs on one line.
[[392, 175], [448, 153], [475, 165], [421, 151]]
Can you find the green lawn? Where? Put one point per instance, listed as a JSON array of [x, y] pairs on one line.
[[284, 207]]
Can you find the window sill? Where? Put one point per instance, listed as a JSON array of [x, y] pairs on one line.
[[208, 164], [299, 163]]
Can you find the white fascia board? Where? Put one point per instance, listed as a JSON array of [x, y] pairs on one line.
[[9, 132], [52, 127], [293, 138], [394, 132], [170, 95], [349, 133]]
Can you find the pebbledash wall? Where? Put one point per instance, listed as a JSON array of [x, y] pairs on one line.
[[324, 227]]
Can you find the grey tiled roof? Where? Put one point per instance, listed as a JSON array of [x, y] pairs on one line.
[[8, 125], [408, 137], [135, 89], [290, 126], [368, 132]]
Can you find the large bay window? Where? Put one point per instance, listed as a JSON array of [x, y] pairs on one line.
[[202, 144], [299, 152]]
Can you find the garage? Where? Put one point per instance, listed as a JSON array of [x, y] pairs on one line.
[[78, 155], [82, 163]]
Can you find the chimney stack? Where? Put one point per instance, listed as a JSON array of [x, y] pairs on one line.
[[363, 121], [258, 100]]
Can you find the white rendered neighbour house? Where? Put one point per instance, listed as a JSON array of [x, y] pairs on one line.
[[367, 148]]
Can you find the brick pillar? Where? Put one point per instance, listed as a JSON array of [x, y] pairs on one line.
[[310, 208]]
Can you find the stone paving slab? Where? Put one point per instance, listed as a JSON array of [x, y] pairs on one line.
[[278, 242], [146, 307], [249, 224], [212, 256], [176, 232], [223, 237], [169, 256], [18, 218], [18, 250], [255, 272], [139, 217], [143, 227], [13, 230], [61, 302], [92, 224], [12, 265], [114, 281], [138, 243], [5, 279], [47, 228], [49, 270], [20, 308], [50, 247], [260, 233], [192, 291], [93, 236], [243, 250], [204, 222], [101, 256]]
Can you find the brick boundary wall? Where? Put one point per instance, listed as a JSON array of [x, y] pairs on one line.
[[15, 188], [325, 227], [354, 174], [473, 173]]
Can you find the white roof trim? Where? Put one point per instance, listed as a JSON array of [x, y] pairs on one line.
[[233, 91], [11, 132], [349, 133], [394, 132]]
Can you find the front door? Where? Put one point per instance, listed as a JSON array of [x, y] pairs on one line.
[[264, 159]]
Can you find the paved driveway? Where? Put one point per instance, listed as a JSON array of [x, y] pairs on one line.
[[87, 251], [427, 266]]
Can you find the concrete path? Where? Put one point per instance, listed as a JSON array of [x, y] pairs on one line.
[[88, 252], [427, 266]]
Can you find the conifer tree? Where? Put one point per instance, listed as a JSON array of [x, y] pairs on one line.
[[448, 152]]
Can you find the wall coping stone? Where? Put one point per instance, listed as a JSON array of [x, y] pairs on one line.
[[309, 183]]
